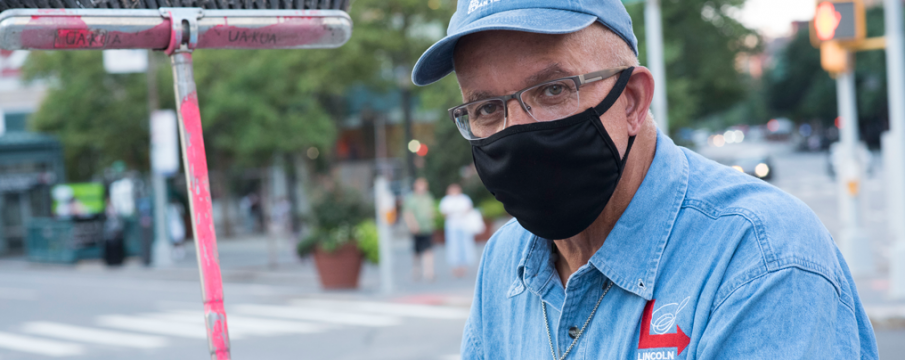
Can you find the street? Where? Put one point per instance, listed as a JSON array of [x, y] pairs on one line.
[[88, 311]]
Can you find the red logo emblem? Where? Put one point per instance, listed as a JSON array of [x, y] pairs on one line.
[[676, 340]]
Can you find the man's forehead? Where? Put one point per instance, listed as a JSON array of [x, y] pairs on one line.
[[554, 70], [491, 62]]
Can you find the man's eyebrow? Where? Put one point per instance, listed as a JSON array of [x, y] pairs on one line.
[[478, 95], [553, 71]]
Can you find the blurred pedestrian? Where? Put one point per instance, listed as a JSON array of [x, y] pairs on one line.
[[418, 213], [457, 207], [176, 229]]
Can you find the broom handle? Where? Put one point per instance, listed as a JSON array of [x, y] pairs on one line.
[[199, 193]]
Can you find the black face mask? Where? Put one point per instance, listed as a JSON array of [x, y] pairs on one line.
[[555, 177]]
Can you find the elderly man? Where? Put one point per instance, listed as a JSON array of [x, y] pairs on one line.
[[624, 245]]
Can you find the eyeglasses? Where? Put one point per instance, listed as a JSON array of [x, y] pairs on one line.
[[548, 101]]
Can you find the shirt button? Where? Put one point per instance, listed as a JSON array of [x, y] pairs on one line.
[[573, 332]]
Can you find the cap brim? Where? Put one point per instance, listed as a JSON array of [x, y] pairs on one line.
[[437, 61]]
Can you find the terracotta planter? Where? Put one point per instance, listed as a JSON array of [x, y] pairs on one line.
[[339, 269]]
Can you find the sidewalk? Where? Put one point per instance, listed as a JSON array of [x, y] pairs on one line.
[[246, 262]]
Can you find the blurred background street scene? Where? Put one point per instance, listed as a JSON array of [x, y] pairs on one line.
[[349, 217]]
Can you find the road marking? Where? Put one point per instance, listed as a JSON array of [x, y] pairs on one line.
[[323, 315], [394, 309], [39, 346], [92, 335], [153, 326], [242, 326]]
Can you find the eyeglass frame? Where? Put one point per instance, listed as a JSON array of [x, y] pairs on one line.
[[580, 80]]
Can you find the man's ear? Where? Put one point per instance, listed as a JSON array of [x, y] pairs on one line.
[[639, 92]]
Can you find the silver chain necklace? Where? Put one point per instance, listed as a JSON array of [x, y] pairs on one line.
[[588, 321]]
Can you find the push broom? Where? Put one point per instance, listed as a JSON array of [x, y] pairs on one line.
[[178, 27]]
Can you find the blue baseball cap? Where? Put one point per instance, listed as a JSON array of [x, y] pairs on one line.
[[536, 16]]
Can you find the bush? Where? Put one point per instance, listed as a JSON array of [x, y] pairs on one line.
[[338, 216], [492, 209], [368, 240]]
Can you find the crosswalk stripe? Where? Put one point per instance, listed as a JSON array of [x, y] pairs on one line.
[[316, 314], [153, 326], [240, 325], [39, 346], [92, 335], [394, 309]]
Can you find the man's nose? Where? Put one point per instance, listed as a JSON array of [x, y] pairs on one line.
[[516, 114]]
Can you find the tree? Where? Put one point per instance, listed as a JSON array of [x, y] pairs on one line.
[[98, 117], [701, 44], [798, 88]]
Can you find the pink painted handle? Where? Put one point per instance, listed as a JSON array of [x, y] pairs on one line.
[[72, 29], [203, 226]]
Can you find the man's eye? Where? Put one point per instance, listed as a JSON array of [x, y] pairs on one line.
[[488, 109], [553, 90]]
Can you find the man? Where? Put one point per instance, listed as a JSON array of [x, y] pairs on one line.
[[625, 246], [418, 214]]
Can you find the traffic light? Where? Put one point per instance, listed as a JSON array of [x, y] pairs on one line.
[[838, 28], [841, 21], [834, 58]]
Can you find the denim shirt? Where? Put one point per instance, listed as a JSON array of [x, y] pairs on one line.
[[706, 263]]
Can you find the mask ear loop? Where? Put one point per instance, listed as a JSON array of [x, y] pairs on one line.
[[608, 102], [631, 140], [615, 93]]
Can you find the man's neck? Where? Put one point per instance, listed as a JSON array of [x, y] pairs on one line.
[[576, 251]]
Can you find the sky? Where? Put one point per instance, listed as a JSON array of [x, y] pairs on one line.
[[773, 18]]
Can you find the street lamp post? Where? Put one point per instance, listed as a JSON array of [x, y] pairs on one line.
[[853, 241], [895, 67], [653, 30]]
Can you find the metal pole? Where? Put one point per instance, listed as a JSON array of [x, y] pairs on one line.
[[853, 242], [653, 30], [198, 184], [384, 204], [161, 250], [895, 188]]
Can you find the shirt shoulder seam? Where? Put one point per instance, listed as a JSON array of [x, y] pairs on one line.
[[771, 261], [709, 210], [756, 274]]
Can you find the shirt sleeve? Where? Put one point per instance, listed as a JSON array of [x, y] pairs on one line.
[[784, 314], [472, 345]]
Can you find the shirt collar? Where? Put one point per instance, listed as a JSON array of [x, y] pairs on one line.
[[630, 256]]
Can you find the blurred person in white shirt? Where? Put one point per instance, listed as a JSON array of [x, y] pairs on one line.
[[456, 207]]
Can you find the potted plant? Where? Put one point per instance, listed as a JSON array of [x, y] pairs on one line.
[[341, 240], [492, 210]]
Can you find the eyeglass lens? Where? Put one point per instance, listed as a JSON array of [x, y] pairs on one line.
[[545, 102]]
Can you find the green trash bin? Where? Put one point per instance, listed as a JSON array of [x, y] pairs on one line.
[[62, 241]]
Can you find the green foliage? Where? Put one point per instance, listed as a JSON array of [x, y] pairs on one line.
[[439, 219], [701, 42], [364, 236], [328, 240], [491, 208], [798, 88], [339, 207], [368, 240], [339, 215], [98, 117]]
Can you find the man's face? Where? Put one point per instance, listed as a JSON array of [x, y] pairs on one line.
[[495, 63]]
